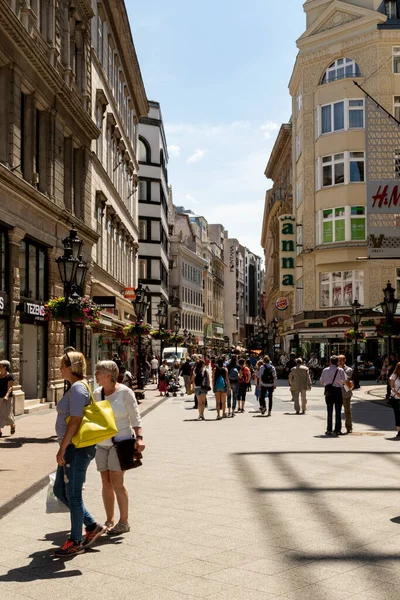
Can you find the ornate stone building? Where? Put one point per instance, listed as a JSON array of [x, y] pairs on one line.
[[344, 41], [278, 202]]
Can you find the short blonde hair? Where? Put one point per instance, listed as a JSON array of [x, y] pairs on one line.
[[109, 367], [77, 362]]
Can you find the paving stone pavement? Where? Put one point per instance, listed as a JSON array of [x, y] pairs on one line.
[[250, 508]]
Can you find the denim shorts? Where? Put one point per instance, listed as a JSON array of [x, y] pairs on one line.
[[199, 391]]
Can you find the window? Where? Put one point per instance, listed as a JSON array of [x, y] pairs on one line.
[[99, 141], [346, 167], [299, 102], [342, 224], [396, 107], [391, 9], [397, 163], [142, 268], [299, 235], [396, 59], [298, 144], [144, 150], [3, 261], [299, 295], [341, 288], [398, 282], [340, 69], [32, 267], [100, 28], [340, 116], [144, 189], [299, 193], [143, 229]]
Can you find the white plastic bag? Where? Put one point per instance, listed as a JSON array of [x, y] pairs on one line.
[[53, 504]]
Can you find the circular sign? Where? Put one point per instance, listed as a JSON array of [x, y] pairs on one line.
[[281, 303]]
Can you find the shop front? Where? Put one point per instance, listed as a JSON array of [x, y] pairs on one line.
[[4, 324], [33, 349]]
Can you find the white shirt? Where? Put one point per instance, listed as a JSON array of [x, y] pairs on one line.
[[396, 381], [154, 364], [126, 412]]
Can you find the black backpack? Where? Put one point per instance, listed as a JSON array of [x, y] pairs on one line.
[[267, 375]]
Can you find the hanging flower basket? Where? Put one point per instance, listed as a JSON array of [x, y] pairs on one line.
[[177, 340], [353, 334], [79, 310], [163, 334], [137, 329], [386, 329]]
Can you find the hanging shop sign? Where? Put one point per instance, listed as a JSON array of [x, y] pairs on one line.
[[105, 301], [281, 303], [339, 321], [129, 293], [287, 252], [383, 209], [31, 311]]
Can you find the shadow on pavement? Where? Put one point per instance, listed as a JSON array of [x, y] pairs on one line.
[[18, 442], [379, 417]]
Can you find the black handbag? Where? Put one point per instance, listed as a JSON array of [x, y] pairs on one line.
[[128, 456], [330, 389]]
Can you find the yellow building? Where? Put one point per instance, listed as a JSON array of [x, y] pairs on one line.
[[344, 42]]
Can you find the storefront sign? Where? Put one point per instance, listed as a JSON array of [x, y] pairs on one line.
[[383, 198], [339, 321], [315, 325], [31, 311], [4, 305], [129, 293], [126, 342], [281, 303], [287, 252], [105, 301]]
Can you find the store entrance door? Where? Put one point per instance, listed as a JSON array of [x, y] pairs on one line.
[[32, 352]]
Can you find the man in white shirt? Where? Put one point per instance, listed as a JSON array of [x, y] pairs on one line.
[[154, 369], [346, 394], [333, 378]]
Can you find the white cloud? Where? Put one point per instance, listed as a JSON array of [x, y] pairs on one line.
[[190, 199], [196, 156], [174, 150], [269, 127]]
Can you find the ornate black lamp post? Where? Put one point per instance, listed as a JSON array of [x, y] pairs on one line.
[[274, 326], [176, 327], [140, 304], [389, 307], [73, 271], [356, 318], [162, 318]]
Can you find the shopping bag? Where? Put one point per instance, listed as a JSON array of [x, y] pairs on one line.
[[53, 504]]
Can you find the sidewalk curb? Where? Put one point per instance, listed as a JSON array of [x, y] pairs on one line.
[[33, 489]]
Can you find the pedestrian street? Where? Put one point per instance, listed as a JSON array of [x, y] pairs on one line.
[[249, 508]]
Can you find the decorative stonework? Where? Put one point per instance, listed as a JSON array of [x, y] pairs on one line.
[[336, 20]]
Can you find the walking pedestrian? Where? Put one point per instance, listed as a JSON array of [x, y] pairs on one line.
[[333, 378], [300, 383], [154, 369], [394, 401], [6, 406], [347, 392], [233, 375], [162, 379], [243, 381], [201, 380], [268, 384], [221, 387], [127, 416], [251, 369], [186, 372], [73, 462], [256, 379]]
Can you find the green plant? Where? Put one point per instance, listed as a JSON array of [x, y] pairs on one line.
[[354, 334], [78, 310], [137, 329], [163, 334]]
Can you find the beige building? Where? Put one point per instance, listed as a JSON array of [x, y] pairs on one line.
[[278, 202], [118, 100], [344, 41]]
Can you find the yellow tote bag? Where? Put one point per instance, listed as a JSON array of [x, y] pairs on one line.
[[98, 423]]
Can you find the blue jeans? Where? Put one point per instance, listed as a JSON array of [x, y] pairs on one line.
[[232, 397], [68, 487]]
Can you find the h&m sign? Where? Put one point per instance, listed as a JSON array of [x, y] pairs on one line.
[[287, 252]]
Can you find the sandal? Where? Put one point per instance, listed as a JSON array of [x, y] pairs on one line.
[[109, 525], [119, 528]]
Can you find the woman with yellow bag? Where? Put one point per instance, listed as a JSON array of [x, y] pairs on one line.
[[80, 425]]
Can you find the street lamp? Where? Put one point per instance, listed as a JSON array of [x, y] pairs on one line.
[[72, 269], [389, 307], [355, 319], [274, 333], [162, 317], [140, 304], [176, 327]]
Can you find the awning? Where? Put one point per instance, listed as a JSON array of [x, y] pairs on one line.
[[379, 310]]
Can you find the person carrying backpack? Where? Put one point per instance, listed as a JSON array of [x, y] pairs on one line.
[[268, 384], [220, 387], [233, 374], [243, 381]]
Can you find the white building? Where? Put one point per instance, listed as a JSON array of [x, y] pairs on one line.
[[153, 209], [234, 290]]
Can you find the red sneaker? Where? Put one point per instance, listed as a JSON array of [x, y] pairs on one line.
[[91, 536], [70, 548]]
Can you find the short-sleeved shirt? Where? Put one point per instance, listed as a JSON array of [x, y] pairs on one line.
[[4, 384], [72, 404]]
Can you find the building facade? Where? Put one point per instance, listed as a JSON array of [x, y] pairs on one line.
[[279, 298], [118, 101], [153, 209], [252, 290], [45, 179], [216, 237], [344, 42], [234, 291]]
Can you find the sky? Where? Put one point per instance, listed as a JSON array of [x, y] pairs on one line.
[[220, 70]]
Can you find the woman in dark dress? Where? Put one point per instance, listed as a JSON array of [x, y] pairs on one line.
[[6, 407]]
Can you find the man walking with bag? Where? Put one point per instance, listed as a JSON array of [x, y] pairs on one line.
[[268, 384], [300, 383], [347, 392], [333, 378]]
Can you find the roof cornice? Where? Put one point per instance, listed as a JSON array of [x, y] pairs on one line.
[[284, 135]]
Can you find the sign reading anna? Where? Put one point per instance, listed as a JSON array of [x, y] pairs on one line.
[[287, 251]]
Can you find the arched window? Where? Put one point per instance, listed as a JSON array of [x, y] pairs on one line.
[[340, 69], [144, 150]]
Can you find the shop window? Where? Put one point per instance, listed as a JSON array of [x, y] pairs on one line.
[[341, 288], [33, 271]]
